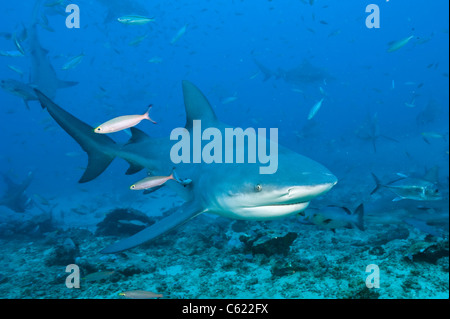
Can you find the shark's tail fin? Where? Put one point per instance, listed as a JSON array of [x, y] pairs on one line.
[[99, 147], [377, 181], [360, 213], [266, 72]]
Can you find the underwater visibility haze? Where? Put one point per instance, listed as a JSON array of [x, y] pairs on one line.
[[224, 149]]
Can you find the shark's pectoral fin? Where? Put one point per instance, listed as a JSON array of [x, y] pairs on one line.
[[186, 212]]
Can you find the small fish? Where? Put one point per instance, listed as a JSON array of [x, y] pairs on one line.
[[410, 188], [140, 294], [332, 217], [122, 122], [411, 104], [97, 276], [179, 34], [314, 109], [73, 62], [427, 135], [433, 135], [72, 154], [44, 23], [44, 19], [137, 40], [253, 76], [53, 3], [229, 99], [394, 46], [334, 33], [42, 199], [152, 181], [133, 222], [17, 44], [135, 20], [13, 54], [46, 27], [15, 69], [155, 59]]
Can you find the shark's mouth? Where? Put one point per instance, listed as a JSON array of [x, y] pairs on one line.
[[271, 211]]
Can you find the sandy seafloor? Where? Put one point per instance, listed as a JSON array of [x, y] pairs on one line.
[[206, 258]]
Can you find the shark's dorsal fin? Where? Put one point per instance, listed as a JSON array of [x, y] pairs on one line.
[[197, 106], [432, 175], [137, 136]]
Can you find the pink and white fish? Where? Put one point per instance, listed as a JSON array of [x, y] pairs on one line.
[[152, 181], [123, 122]]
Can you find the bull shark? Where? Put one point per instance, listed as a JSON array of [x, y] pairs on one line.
[[233, 190]]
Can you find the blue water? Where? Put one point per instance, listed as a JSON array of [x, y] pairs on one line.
[[217, 53]]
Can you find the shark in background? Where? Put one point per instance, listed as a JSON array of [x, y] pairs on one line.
[[20, 89], [15, 197], [235, 190], [370, 131], [305, 73], [42, 73]]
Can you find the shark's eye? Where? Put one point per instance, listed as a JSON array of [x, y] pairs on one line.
[[258, 188]]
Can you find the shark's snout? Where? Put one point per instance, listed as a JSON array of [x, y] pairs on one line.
[[308, 192], [303, 193]]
